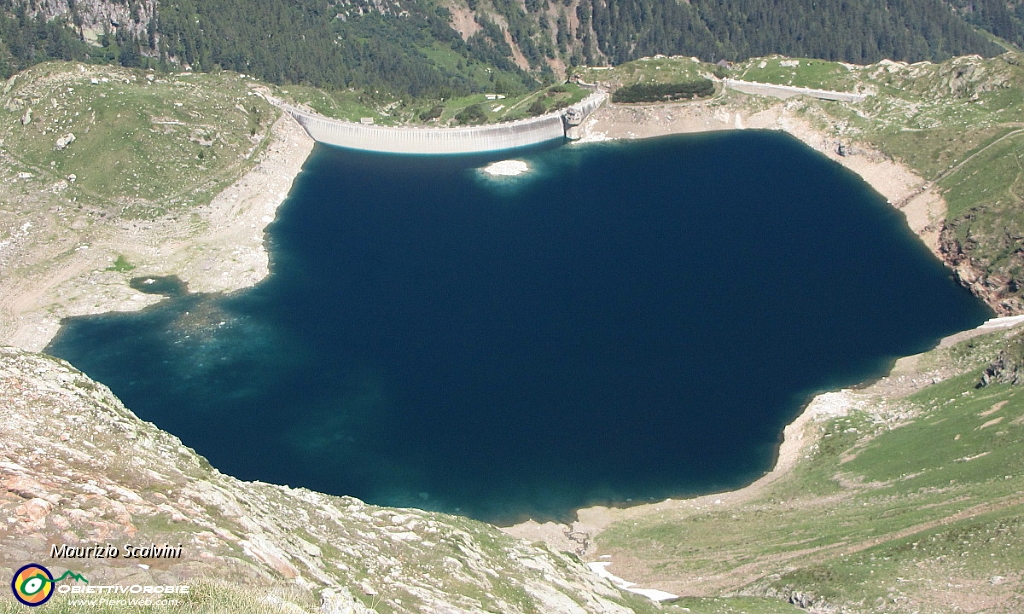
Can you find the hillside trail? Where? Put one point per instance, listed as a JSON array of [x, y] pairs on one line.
[[748, 573], [928, 185]]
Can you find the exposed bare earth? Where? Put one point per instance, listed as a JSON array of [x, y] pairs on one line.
[[895, 181], [220, 249], [462, 20]]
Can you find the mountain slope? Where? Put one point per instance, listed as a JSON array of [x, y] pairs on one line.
[[417, 48], [79, 468]]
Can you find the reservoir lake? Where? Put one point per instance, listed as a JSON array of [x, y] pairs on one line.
[[625, 322]]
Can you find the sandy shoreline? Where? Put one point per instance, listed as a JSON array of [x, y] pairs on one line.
[[220, 250]]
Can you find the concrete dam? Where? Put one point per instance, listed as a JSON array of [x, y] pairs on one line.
[[415, 140]]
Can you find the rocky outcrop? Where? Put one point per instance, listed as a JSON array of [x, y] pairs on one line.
[[78, 468], [64, 141], [804, 600], [1008, 367], [98, 16], [998, 284]]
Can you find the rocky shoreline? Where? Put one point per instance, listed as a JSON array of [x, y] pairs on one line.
[[901, 186], [1000, 292], [221, 250]]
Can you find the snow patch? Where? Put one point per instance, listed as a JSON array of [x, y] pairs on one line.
[[651, 593]]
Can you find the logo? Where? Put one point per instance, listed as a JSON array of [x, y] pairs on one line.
[[33, 584]]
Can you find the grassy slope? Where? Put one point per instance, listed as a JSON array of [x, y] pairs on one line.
[[352, 105], [143, 147], [675, 69], [906, 504], [206, 596], [150, 149], [929, 116]]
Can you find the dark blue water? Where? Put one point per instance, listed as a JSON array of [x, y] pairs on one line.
[[626, 322]]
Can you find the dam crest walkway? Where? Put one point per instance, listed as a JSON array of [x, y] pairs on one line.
[[423, 140]]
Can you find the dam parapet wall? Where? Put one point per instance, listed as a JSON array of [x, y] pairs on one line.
[[788, 91], [412, 140], [417, 140], [589, 104]]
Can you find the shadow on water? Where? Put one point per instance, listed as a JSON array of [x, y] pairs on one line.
[[623, 323]]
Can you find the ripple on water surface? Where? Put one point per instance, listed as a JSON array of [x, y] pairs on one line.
[[633, 322]]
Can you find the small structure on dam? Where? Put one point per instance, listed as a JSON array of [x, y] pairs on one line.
[[573, 116], [470, 139]]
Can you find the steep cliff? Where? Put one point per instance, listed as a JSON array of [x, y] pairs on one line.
[[94, 17]]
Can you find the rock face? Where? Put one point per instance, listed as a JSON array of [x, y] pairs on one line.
[[996, 283], [97, 16], [1008, 367], [78, 468]]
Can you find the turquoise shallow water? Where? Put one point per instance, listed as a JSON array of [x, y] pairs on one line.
[[626, 322]]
